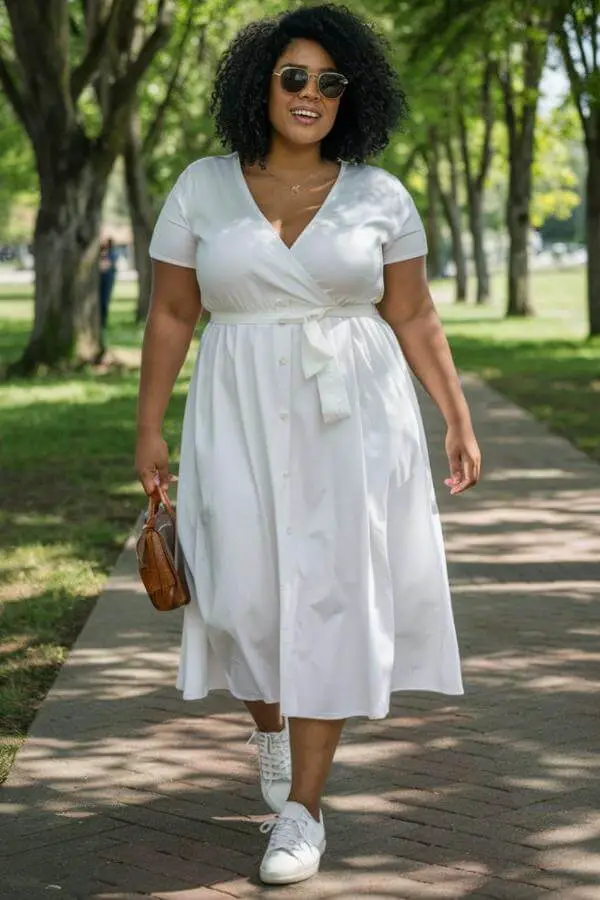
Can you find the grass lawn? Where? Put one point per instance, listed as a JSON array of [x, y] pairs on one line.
[[69, 499], [541, 363], [70, 495]]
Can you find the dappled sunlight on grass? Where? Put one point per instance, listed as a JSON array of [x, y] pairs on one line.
[[538, 363], [542, 363], [70, 392], [558, 300]]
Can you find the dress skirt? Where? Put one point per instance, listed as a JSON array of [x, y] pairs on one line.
[[314, 550]]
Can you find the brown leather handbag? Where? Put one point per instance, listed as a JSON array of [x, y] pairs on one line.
[[158, 555]]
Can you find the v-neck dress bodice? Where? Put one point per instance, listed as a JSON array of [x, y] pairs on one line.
[[261, 216], [306, 510]]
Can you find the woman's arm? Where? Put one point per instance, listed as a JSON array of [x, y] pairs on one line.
[[175, 307], [408, 308]]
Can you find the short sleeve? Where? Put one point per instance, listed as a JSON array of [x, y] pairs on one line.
[[173, 240], [407, 239]]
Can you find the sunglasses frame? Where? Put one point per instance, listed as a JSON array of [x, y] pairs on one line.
[[317, 76]]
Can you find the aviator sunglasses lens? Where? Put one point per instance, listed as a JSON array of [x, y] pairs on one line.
[[331, 85], [293, 80]]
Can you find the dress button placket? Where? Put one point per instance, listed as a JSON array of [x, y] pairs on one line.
[[284, 339]]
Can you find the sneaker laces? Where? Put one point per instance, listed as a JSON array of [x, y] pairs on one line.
[[273, 755], [287, 834]]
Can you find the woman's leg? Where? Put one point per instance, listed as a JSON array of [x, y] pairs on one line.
[[267, 716], [313, 743]]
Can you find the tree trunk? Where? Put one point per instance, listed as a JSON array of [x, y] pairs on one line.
[[460, 260], [475, 188], [453, 217], [517, 219], [475, 181], [434, 265], [66, 325], [479, 254], [583, 69], [141, 213], [451, 207], [520, 115], [593, 231]]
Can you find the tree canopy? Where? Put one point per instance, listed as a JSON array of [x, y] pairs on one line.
[[85, 81]]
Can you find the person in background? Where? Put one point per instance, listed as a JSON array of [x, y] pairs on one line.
[[108, 272]]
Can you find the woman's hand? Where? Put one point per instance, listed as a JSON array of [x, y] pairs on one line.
[[152, 461], [464, 458]]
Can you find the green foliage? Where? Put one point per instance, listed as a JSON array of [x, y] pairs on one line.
[[187, 131], [18, 179], [557, 182], [440, 76], [445, 75], [578, 40]]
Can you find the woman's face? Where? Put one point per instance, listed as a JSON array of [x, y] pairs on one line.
[[285, 109]]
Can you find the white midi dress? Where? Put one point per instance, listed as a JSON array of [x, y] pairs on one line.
[[306, 508]]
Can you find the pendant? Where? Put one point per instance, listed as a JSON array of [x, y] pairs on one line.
[[295, 188]]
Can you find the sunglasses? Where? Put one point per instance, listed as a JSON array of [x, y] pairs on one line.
[[294, 79]]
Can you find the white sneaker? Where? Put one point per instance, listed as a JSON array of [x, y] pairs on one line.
[[295, 848], [275, 766]]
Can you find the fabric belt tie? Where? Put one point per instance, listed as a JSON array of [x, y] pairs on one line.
[[319, 359]]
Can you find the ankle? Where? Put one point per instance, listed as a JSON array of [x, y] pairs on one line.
[[271, 727], [267, 716]]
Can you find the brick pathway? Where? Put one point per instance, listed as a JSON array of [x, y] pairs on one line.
[[124, 791]]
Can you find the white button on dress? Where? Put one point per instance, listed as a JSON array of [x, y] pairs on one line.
[[306, 510]]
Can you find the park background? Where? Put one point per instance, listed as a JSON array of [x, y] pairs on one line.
[[104, 102]]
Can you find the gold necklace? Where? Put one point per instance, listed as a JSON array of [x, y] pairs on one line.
[[294, 188]]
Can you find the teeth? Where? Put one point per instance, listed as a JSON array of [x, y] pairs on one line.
[[305, 112]]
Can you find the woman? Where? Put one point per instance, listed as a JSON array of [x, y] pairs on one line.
[[306, 508]]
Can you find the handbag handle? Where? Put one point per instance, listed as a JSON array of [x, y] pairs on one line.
[[154, 502], [153, 506]]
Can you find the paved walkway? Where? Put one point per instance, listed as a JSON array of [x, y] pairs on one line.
[[124, 791]]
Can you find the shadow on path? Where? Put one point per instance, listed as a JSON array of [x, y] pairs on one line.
[[124, 791]]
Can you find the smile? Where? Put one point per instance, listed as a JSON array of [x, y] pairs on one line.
[[305, 115]]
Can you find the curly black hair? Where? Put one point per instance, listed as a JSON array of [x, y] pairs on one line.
[[370, 109]]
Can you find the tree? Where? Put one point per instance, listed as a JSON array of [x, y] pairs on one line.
[[447, 189], [435, 265], [520, 73], [578, 38], [476, 95], [429, 137], [71, 72], [515, 37], [145, 129], [459, 152], [459, 149]]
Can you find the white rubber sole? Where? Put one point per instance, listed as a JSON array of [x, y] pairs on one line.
[[294, 879]]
